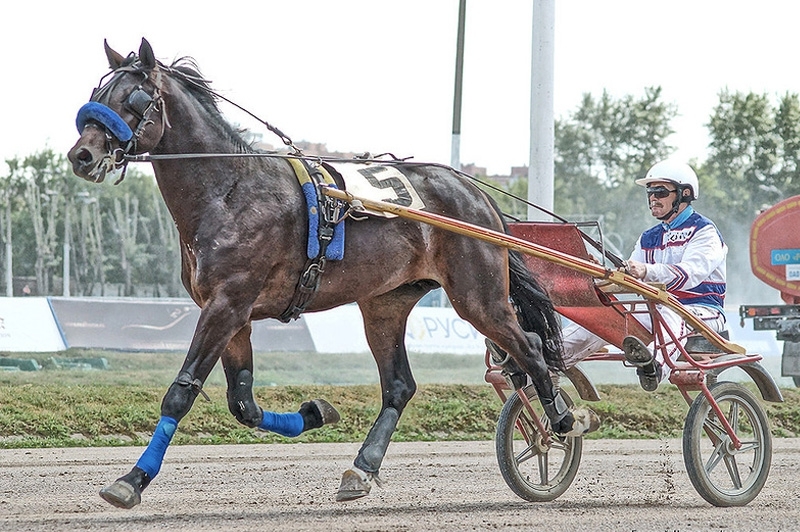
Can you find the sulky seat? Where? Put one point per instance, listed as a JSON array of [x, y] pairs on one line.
[[575, 294]]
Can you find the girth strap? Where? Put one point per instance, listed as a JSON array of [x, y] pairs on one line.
[[306, 288], [329, 214]]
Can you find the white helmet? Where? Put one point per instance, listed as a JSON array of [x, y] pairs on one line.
[[676, 172]]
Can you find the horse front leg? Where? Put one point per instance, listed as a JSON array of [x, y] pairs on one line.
[[126, 491], [238, 363], [215, 328], [385, 331]]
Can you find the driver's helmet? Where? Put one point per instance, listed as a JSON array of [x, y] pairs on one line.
[[675, 172]]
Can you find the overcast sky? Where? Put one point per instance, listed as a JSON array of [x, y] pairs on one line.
[[378, 76]]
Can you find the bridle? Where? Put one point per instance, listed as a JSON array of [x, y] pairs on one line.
[[142, 104], [139, 102]]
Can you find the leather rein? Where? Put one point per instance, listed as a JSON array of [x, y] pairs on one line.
[[142, 105]]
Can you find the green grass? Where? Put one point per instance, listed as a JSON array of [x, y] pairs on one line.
[[120, 406]]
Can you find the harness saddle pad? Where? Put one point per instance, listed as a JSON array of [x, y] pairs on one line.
[[335, 249]]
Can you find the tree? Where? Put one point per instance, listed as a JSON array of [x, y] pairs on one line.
[[87, 246], [11, 192], [600, 149], [126, 225], [753, 162], [43, 173], [754, 153], [168, 272]]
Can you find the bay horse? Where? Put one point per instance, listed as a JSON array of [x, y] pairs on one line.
[[243, 228]]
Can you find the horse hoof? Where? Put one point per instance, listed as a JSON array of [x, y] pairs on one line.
[[326, 410], [355, 484], [121, 494], [585, 421]]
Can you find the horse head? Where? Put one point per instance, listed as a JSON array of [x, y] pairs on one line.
[[125, 115]]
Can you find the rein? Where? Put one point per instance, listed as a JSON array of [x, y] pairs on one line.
[[142, 104], [617, 261]]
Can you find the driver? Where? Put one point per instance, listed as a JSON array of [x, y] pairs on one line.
[[686, 253]]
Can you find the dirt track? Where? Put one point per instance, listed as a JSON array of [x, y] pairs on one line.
[[622, 485]]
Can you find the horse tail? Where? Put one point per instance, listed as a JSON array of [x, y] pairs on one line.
[[535, 310]]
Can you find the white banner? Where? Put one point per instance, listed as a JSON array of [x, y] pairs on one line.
[[441, 330], [27, 325], [429, 330]]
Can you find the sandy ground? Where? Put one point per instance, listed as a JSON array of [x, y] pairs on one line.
[[621, 485]]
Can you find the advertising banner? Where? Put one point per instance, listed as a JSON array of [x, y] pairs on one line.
[[157, 325], [27, 325], [429, 330]]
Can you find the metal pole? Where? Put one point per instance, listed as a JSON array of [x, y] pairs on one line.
[[67, 238], [455, 147], [9, 251], [541, 167]]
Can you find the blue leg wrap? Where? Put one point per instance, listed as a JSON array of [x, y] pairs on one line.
[[150, 461], [290, 424]]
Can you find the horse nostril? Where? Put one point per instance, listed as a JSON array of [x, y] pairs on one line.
[[84, 156]]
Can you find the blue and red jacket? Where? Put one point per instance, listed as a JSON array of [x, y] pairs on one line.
[[688, 257]]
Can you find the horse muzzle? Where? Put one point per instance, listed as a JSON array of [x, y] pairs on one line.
[[90, 161]]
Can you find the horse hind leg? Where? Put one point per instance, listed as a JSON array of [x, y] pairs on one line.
[[565, 421], [498, 321], [385, 327]]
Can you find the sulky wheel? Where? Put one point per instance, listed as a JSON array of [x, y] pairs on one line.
[[721, 474], [535, 471]]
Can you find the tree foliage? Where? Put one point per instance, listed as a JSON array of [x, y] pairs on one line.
[[754, 151], [753, 162], [600, 149], [117, 237]]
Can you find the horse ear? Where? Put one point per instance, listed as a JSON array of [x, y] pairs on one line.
[[114, 58], [146, 54]]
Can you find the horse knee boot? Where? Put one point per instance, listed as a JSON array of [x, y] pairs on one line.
[[370, 456], [180, 397], [241, 402]]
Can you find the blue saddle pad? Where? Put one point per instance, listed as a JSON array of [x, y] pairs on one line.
[[335, 249]]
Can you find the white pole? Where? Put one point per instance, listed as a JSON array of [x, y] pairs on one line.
[[9, 250], [541, 166], [9, 274]]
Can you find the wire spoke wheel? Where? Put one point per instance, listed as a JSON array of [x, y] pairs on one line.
[[535, 470], [722, 474]]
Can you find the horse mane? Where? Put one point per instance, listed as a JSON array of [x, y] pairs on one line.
[[185, 71]]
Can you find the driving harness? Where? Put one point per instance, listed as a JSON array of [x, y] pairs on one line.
[[325, 233]]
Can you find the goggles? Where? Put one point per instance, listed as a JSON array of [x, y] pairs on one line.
[[659, 192]]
